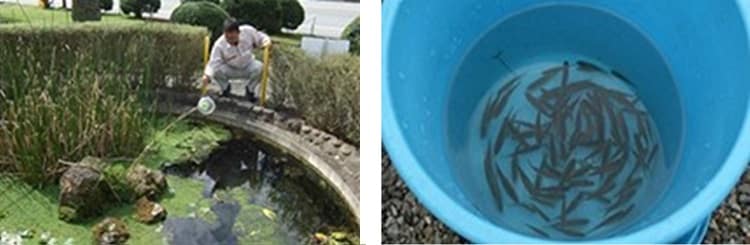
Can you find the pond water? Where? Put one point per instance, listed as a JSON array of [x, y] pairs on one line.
[[244, 182]]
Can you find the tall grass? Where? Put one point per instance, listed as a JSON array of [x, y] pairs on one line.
[[324, 91], [55, 118], [80, 90]]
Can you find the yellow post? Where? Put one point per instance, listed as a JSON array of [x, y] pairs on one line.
[[264, 75], [206, 42]]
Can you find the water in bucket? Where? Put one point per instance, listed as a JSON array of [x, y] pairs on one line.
[[560, 144]]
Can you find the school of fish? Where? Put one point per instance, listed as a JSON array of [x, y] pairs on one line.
[[595, 143]]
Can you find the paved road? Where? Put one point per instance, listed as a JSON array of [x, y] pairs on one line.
[[324, 18]]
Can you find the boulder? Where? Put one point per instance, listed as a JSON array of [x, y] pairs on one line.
[[149, 212], [83, 191], [111, 231], [145, 182]]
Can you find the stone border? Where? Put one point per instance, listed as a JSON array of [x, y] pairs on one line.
[[330, 157]]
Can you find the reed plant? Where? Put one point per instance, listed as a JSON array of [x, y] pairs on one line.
[[72, 91]]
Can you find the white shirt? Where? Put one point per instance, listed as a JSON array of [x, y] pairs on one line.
[[238, 56]]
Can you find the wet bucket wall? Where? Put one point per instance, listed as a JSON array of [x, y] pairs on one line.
[[689, 66]]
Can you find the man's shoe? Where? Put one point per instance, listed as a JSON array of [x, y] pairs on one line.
[[227, 92], [250, 95]]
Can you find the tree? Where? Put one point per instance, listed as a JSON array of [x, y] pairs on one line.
[[351, 33], [293, 13], [138, 7], [201, 13], [266, 15], [105, 4]]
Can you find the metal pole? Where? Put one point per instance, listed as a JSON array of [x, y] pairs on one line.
[[264, 74]]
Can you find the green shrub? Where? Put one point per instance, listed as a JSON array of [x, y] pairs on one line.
[[213, 1], [201, 13], [324, 91], [351, 33], [86, 10], [138, 7], [293, 13], [154, 51], [265, 15], [105, 5]]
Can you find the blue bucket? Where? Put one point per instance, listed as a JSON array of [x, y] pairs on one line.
[[690, 61]]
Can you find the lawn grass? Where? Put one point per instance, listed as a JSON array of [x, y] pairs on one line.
[[288, 39], [13, 13]]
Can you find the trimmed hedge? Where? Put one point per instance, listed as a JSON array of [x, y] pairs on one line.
[[323, 91], [264, 15], [105, 5], [151, 51], [293, 13], [138, 7], [351, 33], [201, 13], [213, 1]]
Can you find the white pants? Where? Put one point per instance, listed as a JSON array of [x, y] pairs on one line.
[[250, 76]]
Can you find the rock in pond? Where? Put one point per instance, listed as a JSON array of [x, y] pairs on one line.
[[111, 231], [149, 212], [146, 182], [83, 191]]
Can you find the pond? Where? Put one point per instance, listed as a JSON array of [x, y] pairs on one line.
[[241, 191], [242, 181]]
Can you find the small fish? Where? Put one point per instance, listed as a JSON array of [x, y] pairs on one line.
[[572, 222], [563, 211], [500, 138], [568, 171], [541, 81], [582, 170], [538, 104], [547, 170], [554, 189], [515, 168], [620, 97], [508, 186], [527, 184], [553, 151], [589, 67], [652, 153], [524, 123], [575, 203], [570, 232], [580, 183], [538, 231], [523, 150], [614, 217], [491, 175], [485, 123], [538, 130], [572, 88], [517, 135], [608, 185], [534, 209], [546, 201], [623, 128], [623, 78], [624, 196], [502, 100], [566, 73]]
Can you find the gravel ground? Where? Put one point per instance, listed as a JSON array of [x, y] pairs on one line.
[[406, 221]]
